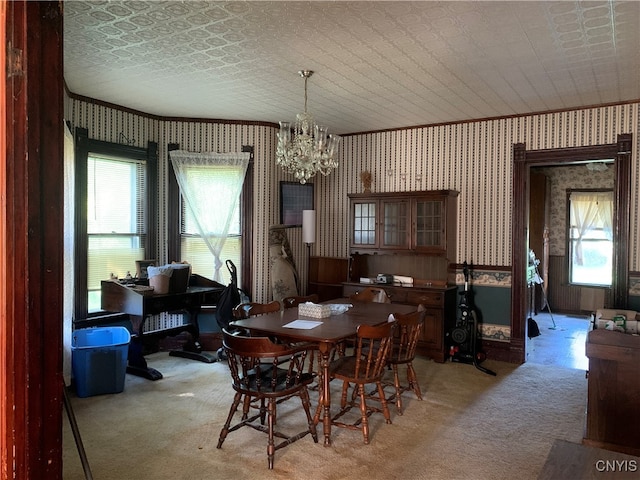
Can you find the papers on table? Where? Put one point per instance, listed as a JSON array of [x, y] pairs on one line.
[[303, 324]]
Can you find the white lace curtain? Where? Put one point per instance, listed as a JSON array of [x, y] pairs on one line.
[[590, 210], [211, 184]]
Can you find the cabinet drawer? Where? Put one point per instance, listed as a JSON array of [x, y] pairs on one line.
[[397, 295], [425, 298], [348, 290]]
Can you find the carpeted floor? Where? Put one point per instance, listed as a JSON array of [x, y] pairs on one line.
[[470, 425]]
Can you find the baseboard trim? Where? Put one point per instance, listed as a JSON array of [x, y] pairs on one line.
[[501, 351]]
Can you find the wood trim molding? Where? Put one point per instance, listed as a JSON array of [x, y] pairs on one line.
[[172, 205], [622, 189], [247, 223], [31, 277], [523, 159]]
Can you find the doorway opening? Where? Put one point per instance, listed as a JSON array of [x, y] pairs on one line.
[[523, 161]]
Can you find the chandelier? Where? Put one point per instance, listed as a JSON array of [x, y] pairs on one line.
[[309, 149]]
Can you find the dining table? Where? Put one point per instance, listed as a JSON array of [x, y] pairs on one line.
[[325, 333]]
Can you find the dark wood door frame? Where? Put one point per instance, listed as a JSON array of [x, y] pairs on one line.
[[523, 160], [31, 243]]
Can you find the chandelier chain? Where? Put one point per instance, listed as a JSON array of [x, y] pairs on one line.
[[305, 94]]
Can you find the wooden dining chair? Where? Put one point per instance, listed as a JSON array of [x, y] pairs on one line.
[[365, 366], [250, 309], [291, 302], [267, 383], [314, 358], [403, 352], [367, 294], [371, 294]]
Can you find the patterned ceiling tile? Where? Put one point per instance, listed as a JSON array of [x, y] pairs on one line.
[[378, 65]]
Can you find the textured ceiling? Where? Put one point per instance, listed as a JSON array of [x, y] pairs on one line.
[[378, 65]]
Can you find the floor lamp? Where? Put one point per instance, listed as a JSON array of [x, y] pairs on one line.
[[308, 235]]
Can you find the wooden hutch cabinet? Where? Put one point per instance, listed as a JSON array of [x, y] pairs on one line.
[[409, 234], [417, 222], [326, 275]]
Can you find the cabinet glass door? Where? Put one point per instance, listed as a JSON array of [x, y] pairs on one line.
[[429, 223], [396, 224], [364, 223]]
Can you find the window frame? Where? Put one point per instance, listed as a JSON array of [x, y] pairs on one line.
[[83, 146], [174, 212], [569, 242]]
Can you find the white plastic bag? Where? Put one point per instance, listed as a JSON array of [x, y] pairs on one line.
[[338, 308]]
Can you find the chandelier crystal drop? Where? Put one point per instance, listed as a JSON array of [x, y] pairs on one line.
[[309, 148]]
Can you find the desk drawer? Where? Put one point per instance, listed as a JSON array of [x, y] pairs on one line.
[[428, 299]]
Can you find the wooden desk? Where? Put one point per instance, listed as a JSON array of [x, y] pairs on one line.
[[333, 330], [120, 298]]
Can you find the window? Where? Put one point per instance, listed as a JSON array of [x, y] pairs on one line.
[[116, 220], [590, 237], [115, 215], [194, 250], [210, 212]]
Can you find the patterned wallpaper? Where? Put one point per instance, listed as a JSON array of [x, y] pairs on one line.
[[473, 158]]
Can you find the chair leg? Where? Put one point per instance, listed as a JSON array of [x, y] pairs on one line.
[[225, 429], [343, 398], [363, 413], [263, 411], [396, 384], [319, 409], [383, 401], [413, 380], [246, 406], [271, 447], [306, 404]]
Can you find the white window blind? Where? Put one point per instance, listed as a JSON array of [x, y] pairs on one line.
[[116, 214]]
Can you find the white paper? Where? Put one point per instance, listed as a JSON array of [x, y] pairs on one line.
[[303, 324]]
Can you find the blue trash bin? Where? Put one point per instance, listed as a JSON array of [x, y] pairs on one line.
[[99, 360]]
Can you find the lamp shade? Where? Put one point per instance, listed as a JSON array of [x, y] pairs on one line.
[[309, 226]]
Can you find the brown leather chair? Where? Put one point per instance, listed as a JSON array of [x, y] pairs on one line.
[[403, 351], [291, 302], [266, 384], [365, 366], [371, 294]]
